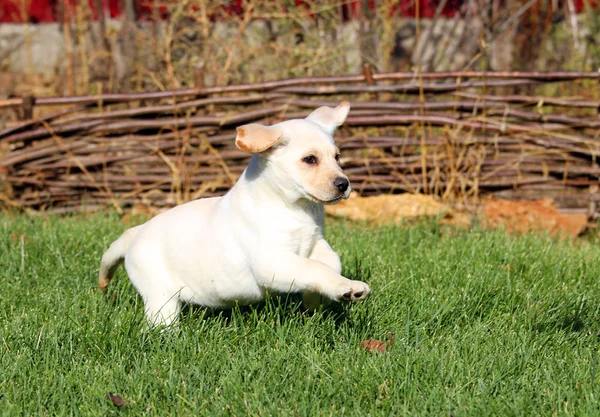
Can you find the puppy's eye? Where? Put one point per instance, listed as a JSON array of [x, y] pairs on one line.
[[337, 157], [310, 159]]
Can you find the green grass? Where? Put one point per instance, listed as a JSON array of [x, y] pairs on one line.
[[484, 324]]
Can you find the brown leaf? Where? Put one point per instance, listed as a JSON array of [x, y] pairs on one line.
[[17, 237], [374, 345], [116, 399]]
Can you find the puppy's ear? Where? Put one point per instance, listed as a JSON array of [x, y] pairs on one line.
[[257, 138], [330, 118]]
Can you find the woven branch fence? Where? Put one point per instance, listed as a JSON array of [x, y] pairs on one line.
[[459, 135]]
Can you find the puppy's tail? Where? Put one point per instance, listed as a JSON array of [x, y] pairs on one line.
[[113, 257]]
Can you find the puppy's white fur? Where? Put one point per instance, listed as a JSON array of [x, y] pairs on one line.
[[266, 233]]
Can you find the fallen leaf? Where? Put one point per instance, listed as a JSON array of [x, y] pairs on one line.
[[116, 399], [374, 345], [16, 237]]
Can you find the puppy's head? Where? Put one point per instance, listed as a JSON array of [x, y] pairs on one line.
[[299, 156]]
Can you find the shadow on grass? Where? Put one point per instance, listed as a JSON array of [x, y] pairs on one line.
[[572, 323], [285, 307], [572, 317]]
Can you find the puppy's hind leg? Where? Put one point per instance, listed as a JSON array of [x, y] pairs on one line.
[[152, 281], [162, 313]]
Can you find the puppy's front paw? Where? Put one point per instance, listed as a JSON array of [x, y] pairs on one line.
[[356, 291]]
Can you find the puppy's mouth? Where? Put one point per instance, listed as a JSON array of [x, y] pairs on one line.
[[326, 202]]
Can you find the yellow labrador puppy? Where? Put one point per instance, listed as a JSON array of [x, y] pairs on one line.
[[265, 234]]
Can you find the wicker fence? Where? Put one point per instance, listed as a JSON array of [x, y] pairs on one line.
[[459, 135]]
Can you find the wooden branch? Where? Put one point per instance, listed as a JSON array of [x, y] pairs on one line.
[[459, 138], [521, 77]]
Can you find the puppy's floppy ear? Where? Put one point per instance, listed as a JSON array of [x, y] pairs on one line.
[[257, 138], [330, 118]]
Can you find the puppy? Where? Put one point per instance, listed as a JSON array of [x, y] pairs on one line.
[[265, 234]]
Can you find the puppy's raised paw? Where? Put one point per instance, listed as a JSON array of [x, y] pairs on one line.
[[357, 291]]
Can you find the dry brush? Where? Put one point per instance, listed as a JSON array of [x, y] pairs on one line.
[[458, 135]]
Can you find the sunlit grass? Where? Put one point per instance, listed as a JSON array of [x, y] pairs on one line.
[[484, 324]]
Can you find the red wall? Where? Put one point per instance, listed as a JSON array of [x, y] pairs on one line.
[[42, 11]]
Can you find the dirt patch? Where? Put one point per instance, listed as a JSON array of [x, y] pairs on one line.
[[537, 215], [396, 208], [514, 216]]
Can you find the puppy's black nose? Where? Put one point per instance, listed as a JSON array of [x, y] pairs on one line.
[[341, 183]]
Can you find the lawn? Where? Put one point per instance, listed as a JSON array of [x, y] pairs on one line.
[[484, 324]]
